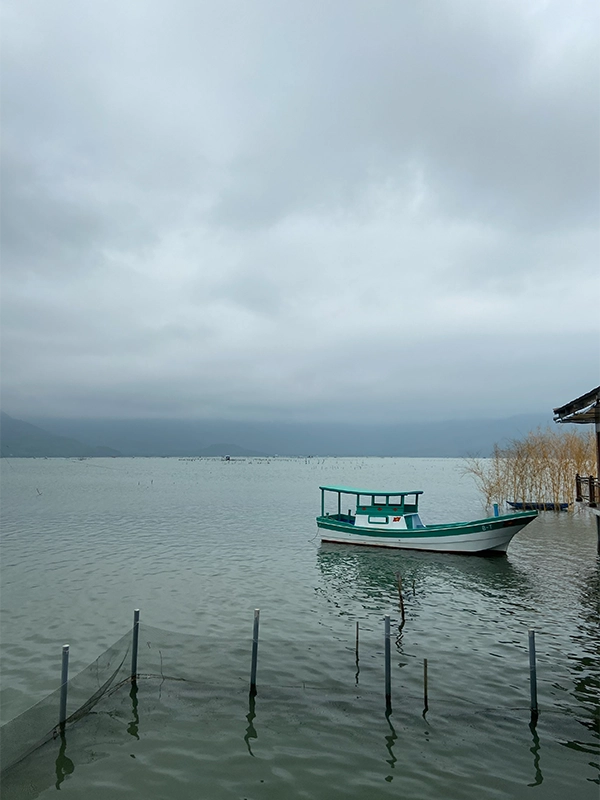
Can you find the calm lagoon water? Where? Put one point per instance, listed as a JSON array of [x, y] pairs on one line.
[[198, 544]]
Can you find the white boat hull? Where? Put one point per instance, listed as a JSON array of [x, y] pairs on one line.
[[466, 542]]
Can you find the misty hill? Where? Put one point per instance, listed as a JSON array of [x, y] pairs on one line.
[[20, 439], [155, 437]]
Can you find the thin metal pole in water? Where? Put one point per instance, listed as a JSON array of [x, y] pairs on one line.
[[425, 697], [64, 678], [134, 649], [388, 663], [533, 676], [495, 509], [254, 652]]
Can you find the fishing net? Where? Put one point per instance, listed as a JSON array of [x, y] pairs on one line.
[[191, 706], [225, 663], [40, 723]]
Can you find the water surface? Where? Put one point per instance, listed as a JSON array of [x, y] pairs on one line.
[[198, 544]]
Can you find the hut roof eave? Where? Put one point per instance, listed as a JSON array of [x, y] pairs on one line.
[[584, 410]]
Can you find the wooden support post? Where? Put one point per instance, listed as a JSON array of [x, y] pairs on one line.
[[597, 426]]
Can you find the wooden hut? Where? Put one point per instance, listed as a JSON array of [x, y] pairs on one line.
[[585, 410]]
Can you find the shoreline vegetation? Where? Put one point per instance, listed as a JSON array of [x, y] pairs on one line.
[[540, 468]]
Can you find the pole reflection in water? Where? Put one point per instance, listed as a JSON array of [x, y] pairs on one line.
[[536, 755], [389, 744], [251, 730], [64, 765], [365, 577], [356, 660], [134, 725]]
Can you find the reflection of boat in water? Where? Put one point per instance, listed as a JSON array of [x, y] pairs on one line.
[[391, 519], [371, 573]]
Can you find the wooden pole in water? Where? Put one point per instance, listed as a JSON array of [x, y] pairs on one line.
[[399, 579], [425, 698], [254, 652], [357, 640], [533, 677], [64, 678], [388, 664]]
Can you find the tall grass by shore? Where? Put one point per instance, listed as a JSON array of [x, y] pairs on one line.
[[540, 468]]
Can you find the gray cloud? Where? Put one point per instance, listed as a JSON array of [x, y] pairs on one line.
[[344, 210]]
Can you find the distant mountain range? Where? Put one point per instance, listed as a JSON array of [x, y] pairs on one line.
[[22, 440], [19, 439], [155, 437]]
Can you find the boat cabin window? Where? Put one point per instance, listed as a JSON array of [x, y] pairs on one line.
[[378, 520], [379, 500], [413, 521]]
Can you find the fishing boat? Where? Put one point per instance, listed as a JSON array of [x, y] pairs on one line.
[[391, 519], [539, 506]]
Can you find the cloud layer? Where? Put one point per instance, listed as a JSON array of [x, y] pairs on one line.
[[301, 210]]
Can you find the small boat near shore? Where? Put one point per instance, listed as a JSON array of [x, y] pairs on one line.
[[538, 506], [391, 519]]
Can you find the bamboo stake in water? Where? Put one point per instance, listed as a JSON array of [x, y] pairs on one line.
[[425, 698], [533, 677], [254, 652], [399, 579], [134, 647], [388, 664], [64, 678]]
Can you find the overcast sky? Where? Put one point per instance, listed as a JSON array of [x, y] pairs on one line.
[[298, 209]]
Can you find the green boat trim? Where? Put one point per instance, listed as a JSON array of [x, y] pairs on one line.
[[346, 524]]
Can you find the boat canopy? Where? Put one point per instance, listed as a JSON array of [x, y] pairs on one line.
[[369, 492], [378, 499]]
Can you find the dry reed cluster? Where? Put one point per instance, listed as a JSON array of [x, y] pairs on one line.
[[540, 468]]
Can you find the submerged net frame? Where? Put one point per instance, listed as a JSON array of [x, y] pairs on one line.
[[167, 656], [41, 723]]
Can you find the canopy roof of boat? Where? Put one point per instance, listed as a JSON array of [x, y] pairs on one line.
[[371, 492]]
